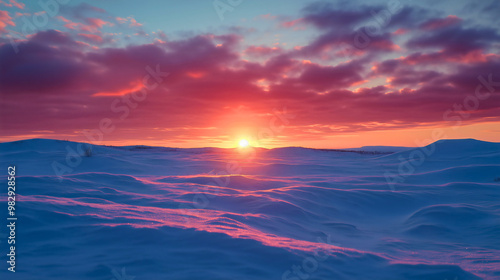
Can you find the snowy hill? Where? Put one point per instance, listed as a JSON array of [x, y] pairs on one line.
[[221, 214]]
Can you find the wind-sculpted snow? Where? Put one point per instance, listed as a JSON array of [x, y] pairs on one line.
[[288, 213]]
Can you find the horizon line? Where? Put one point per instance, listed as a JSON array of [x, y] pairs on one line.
[[236, 147]]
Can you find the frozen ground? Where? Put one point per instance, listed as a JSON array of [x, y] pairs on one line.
[[289, 213]]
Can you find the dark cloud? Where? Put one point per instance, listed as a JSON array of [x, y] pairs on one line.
[[456, 39]]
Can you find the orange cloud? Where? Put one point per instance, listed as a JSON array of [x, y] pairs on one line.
[[133, 87]]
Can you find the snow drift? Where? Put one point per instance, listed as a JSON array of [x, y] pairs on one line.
[[289, 213]]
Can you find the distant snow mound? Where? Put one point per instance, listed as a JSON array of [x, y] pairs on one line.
[[453, 148], [36, 144], [382, 149], [465, 147], [301, 151]]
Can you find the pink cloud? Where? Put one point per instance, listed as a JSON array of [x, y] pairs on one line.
[[5, 20], [400, 31], [92, 37], [132, 22], [268, 16], [262, 50], [18, 14], [293, 23], [385, 45], [13, 3], [91, 24], [97, 22], [17, 4], [440, 22]]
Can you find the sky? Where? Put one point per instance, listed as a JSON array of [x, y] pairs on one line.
[[321, 74]]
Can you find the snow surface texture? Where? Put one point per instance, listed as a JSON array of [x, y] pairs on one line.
[[289, 213]]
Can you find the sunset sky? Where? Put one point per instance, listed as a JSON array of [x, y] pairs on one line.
[[332, 74]]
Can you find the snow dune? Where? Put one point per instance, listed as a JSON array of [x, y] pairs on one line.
[[288, 213]]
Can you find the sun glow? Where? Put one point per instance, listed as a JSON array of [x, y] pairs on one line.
[[244, 143]]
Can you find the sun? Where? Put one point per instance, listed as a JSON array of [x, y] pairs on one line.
[[244, 143]]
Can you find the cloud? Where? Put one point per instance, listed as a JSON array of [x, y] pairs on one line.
[[456, 39], [13, 3], [293, 23], [322, 78], [363, 29], [92, 37], [207, 74], [262, 51], [81, 11], [440, 22], [92, 25], [5, 20], [129, 20]]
